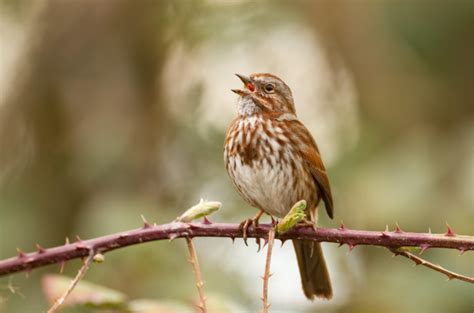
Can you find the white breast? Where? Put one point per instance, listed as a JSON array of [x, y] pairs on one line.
[[268, 182]]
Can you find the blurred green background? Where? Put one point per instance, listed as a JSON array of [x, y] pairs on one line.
[[112, 109]]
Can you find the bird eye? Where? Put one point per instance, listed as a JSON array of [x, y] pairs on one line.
[[269, 88]]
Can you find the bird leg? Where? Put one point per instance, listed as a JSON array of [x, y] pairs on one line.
[[245, 224]]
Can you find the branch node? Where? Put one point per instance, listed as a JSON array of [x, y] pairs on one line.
[[342, 227]]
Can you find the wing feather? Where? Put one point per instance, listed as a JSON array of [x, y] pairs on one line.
[[312, 157]]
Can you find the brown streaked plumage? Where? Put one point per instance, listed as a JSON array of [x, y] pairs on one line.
[[273, 161]]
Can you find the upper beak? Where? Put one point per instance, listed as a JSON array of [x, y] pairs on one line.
[[246, 80]]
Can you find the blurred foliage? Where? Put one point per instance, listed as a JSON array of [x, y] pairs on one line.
[[101, 111]]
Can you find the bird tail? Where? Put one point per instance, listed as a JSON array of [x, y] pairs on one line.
[[313, 270]]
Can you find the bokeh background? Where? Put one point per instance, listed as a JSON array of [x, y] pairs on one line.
[[112, 109]]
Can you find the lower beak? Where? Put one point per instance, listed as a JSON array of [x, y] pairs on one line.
[[240, 92]]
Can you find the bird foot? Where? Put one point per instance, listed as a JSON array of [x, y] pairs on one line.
[[306, 222], [245, 224]]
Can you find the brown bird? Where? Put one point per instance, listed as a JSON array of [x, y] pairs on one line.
[[273, 162]]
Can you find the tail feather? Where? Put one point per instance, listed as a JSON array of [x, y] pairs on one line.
[[313, 270]]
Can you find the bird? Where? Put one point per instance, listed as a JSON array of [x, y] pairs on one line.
[[273, 162]]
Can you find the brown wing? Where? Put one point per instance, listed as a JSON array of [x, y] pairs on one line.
[[316, 166], [310, 153]]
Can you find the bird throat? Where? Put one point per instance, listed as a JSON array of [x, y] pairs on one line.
[[248, 107]]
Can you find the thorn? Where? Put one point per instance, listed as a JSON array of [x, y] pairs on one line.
[[173, 237], [21, 254], [429, 230], [386, 233], [66, 241], [282, 242], [78, 239], [342, 227], [145, 222], [461, 250], [40, 249], [233, 239], [340, 244], [351, 247], [398, 230], [206, 221], [450, 232], [423, 248]]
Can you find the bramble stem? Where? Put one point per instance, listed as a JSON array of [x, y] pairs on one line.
[[342, 235], [267, 274], [197, 274]]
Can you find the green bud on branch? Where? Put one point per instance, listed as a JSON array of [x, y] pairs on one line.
[[202, 209], [296, 215]]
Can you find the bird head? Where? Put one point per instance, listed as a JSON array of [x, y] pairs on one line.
[[264, 93]]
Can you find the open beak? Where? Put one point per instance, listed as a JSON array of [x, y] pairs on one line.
[[249, 86]]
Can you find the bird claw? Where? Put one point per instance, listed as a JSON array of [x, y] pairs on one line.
[[257, 241], [245, 224]]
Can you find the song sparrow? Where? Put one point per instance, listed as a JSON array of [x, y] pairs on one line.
[[273, 161]]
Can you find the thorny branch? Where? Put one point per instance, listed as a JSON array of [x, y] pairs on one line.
[[342, 235], [80, 274], [267, 274], [438, 268], [197, 274]]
